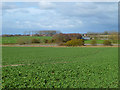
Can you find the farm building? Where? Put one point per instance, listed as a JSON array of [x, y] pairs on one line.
[[86, 38]]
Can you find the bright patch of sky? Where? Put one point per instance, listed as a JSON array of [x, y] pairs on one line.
[[67, 17]]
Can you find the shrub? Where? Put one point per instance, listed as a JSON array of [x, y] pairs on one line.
[[95, 37], [35, 40], [59, 38], [107, 43], [62, 44], [66, 37], [23, 41], [20, 41], [75, 42], [93, 42], [45, 40], [51, 41]]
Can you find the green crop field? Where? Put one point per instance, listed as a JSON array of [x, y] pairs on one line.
[[9, 40], [55, 67], [98, 41]]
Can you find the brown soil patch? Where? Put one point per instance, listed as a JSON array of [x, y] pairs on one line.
[[13, 65], [54, 46]]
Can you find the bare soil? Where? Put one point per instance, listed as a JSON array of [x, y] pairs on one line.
[[54, 46], [13, 65]]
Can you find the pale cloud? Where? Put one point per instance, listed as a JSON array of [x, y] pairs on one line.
[[50, 24], [17, 22], [46, 5], [27, 22], [86, 5], [23, 10]]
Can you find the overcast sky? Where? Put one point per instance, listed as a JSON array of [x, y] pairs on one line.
[[67, 17]]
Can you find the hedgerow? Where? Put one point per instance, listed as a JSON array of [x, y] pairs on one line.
[[93, 42], [107, 43], [34, 40]]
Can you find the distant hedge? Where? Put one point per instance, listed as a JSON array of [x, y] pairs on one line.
[[93, 42], [34, 40], [23, 41], [107, 43], [27, 41], [45, 40]]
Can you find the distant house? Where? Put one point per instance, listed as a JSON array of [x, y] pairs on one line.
[[84, 35], [86, 38]]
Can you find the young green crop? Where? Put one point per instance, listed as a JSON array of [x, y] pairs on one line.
[[50, 67]]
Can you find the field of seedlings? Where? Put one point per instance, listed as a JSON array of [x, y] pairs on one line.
[[59, 67]]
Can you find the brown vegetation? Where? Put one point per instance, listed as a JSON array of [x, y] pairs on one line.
[[66, 37]]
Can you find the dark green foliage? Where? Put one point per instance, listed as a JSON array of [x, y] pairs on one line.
[[45, 40], [62, 44], [107, 43], [51, 41], [93, 42], [34, 40]]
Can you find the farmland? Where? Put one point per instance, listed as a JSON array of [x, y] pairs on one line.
[[13, 40], [98, 41], [55, 67]]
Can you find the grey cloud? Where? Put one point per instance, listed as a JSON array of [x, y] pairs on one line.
[[6, 7], [88, 10]]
